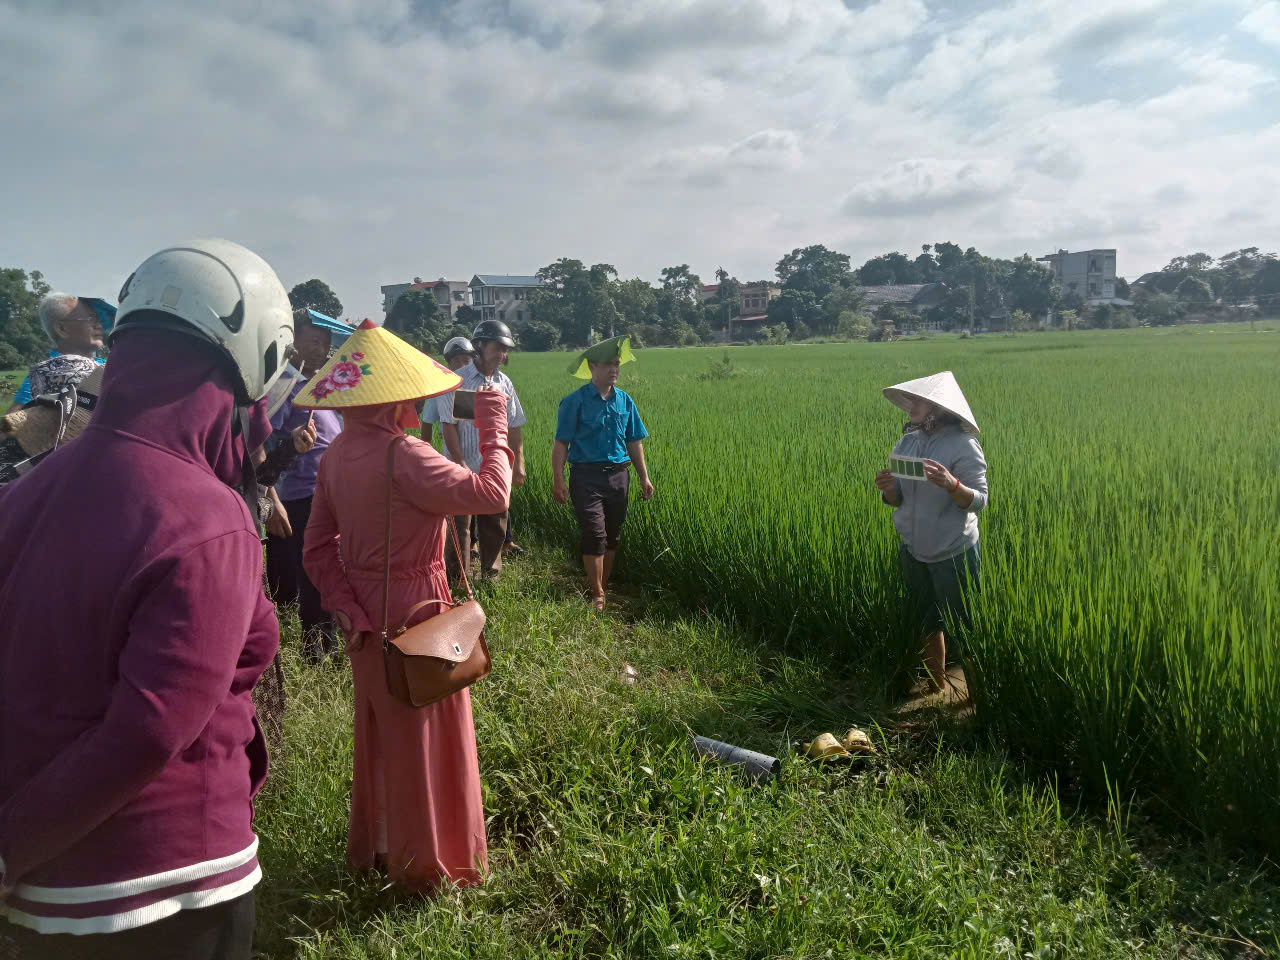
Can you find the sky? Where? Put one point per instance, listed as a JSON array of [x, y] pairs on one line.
[[366, 142]]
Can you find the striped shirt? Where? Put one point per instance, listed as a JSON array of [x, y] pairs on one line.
[[468, 435]]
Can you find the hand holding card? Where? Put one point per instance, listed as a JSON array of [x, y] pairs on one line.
[[907, 468]]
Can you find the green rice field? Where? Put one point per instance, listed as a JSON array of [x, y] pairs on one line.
[[1113, 799], [1125, 636]]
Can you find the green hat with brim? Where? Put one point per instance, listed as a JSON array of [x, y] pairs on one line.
[[617, 348]]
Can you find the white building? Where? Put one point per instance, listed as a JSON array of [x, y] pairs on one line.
[[503, 297], [1090, 273], [450, 294]]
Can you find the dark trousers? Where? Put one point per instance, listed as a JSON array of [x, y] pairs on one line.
[[599, 495], [491, 530], [935, 590], [289, 583], [221, 932]]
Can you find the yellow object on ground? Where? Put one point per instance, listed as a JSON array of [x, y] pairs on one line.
[[857, 741], [825, 747]]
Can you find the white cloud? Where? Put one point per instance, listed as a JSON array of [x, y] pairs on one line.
[[1263, 21], [925, 186], [366, 141], [711, 166]]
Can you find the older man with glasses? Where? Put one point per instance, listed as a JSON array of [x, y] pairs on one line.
[[76, 325]]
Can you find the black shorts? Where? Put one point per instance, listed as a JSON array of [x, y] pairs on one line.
[[599, 495], [934, 589]]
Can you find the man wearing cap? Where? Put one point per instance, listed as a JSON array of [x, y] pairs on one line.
[[492, 341], [458, 352], [599, 432], [75, 325], [293, 490]]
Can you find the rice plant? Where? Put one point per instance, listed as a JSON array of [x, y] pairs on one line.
[[1125, 631]]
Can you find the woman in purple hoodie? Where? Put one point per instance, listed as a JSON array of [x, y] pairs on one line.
[[133, 627]]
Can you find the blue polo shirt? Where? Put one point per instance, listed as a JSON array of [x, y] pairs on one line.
[[596, 429], [24, 392]]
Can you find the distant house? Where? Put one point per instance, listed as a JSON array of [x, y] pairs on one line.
[[450, 294], [503, 297], [753, 298], [912, 297], [1090, 273]]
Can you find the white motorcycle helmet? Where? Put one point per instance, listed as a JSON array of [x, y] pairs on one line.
[[222, 293], [458, 345]]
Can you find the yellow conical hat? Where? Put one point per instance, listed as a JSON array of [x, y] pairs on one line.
[[374, 367]]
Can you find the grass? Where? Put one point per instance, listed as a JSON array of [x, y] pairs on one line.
[[1125, 631], [609, 839], [10, 380]]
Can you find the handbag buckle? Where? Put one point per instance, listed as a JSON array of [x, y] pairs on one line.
[[457, 649]]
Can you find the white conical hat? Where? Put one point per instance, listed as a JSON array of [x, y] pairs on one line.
[[940, 389]]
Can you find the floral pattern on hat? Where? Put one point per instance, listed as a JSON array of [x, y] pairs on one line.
[[344, 375]]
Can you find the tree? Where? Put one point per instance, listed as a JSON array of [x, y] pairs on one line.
[[316, 295], [681, 281], [556, 311], [635, 302], [1102, 317], [1194, 263], [469, 317], [776, 335], [22, 340], [563, 275], [418, 319], [926, 266], [837, 303], [890, 268], [1019, 320], [815, 269], [1122, 288], [727, 304], [1266, 282], [598, 313], [539, 336], [1159, 309], [1030, 287], [1071, 300], [577, 300], [853, 326], [949, 257], [1194, 290], [795, 308]]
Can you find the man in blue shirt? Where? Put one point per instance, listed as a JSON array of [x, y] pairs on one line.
[[76, 325], [599, 432]]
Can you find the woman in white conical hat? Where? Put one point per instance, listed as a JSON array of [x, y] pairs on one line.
[[936, 513]]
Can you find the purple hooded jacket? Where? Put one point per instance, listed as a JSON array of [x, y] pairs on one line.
[[133, 627]]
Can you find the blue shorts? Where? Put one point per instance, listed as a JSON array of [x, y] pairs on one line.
[[935, 588]]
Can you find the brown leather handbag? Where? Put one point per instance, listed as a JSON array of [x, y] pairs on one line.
[[436, 658]]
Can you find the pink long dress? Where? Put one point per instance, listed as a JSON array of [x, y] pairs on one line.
[[415, 795]]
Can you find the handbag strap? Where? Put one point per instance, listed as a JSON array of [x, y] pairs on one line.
[[386, 568]]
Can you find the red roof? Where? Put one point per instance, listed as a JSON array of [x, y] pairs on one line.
[[710, 287]]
